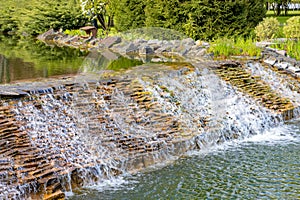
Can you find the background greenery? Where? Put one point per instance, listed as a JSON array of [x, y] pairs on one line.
[[205, 19]]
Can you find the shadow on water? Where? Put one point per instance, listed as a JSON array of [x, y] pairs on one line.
[[22, 59]]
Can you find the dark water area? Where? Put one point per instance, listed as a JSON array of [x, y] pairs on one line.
[[265, 166], [28, 58]]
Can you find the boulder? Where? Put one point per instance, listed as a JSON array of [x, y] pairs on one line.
[[146, 50], [270, 61], [131, 48], [110, 41], [47, 35], [188, 41]]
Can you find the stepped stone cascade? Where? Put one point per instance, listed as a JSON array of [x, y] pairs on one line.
[[61, 135], [253, 85], [79, 132]]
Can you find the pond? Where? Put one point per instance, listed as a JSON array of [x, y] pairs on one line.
[[265, 166], [22, 59]]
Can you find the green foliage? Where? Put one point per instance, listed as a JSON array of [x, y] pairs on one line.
[[75, 32], [190, 27], [34, 17], [129, 14], [167, 14], [200, 19], [204, 19], [292, 29], [152, 33], [225, 47], [51, 14], [267, 29], [8, 20]]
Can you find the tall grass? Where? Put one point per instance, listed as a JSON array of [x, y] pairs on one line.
[[292, 47], [226, 47]]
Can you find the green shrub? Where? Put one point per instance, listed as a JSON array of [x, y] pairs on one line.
[[292, 28], [267, 29]]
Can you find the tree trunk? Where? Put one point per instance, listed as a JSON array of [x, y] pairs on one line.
[[286, 6], [101, 21], [278, 9]]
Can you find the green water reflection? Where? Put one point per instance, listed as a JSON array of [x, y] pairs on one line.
[[266, 168], [29, 58]]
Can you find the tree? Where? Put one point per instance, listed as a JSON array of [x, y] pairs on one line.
[[278, 4], [33, 17], [129, 14], [206, 19], [168, 14]]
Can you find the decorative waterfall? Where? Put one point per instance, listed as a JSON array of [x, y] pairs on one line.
[[96, 127]]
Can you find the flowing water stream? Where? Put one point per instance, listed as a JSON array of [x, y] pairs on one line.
[[244, 150]]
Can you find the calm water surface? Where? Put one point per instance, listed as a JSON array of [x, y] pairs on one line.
[[265, 166], [22, 59]]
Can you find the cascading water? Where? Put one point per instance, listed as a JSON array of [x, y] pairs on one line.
[[92, 130], [279, 82]]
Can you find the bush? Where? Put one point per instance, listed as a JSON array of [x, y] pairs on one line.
[[267, 29], [32, 17], [42, 16], [292, 29]]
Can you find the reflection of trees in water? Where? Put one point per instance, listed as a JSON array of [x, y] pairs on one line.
[[4, 70], [29, 58]]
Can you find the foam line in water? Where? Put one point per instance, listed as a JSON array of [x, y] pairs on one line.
[[282, 134]]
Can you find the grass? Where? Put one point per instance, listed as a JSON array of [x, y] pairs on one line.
[[226, 47], [283, 18], [292, 48]]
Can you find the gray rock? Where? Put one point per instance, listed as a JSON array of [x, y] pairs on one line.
[[72, 39], [201, 52], [49, 33], [292, 69], [163, 49], [270, 61], [188, 41], [94, 41], [175, 43], [297, 74], [130, 48], [109, 55], [183, 50], [146, 50], [281, 65], [110, 41], [140, 41], [155, 41]]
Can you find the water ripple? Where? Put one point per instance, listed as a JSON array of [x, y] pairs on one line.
[[264, 166]]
